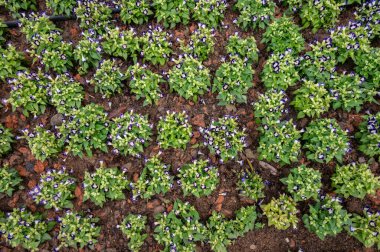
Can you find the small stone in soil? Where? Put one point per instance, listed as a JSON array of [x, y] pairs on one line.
[[272, 170], [361, 160], [249, 154], [56, 120], [253, 246]]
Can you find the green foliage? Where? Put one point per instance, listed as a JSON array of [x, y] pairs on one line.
[[281, 212], [368, 13], [250, 185], [36, 25], [154, 179], [303, 183], [283, 34], [144, 84], [325, 140], [156, 47], [198, 178], [311, 99], [201, 43], [366, 228], [66, 93], [244, 48], [355, 180], [130, 133], [280, 142], [10, 62], [60, 7], [17, 6], [3, 28], [21, 227], [173, 12], [174, 130], [29, 92], [55, 190], [43, 143], [210, 12], [369, 135], [77, 231], [224, 138], [132, 227], [320, 14], [280, 71], [180, 228], [6, 138], [9, 180], [135, 11], [87, 52], [254, 13], [124, 44], [104, 183], [108, 78], [85, 129], [368, 65], [270, 106], [232, 81], [326, 217], [189, 78]]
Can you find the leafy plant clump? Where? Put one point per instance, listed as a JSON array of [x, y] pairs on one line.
[[77, 231], [88, 52], [245, 48], [201, 43], [21, 227], [9, 180], [250, 185], [198, 178], [124, 44], [154, 179], [180, 228], [130, 133], [369, 135], [35, 25], [303, 183], [283, 34], [85, 129], [60, 7], [232, 81], [189, 78], [280, 70], [145, 84], [311, 99], [108, 78], [174, 130], [133, 227], [54, 190], [224, 138], [281, 212], [156, 45], [104, 183], [368, 13], [135, 11], [256, 13], [368, 65], [11, 62], [270, 107], [210, 12], [43, 143], [355, 180], [326, 217], [15, 6], [6, 139], [325, 140], [173, 12]]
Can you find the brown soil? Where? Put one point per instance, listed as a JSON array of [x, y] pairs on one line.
[[111, 239]]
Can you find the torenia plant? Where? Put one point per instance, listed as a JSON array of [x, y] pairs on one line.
[[77, 231], [35, 25], [145, 84], [135, 11], [22, 228], [369, 135], [250, 185], [210, 12], [173, 12], [232, 81], [124, 44], [201, 43], [254, 13], [368, 65], [154, 179], [355, 180], [11, 62], [60, 7], [180, 228], [105, 183], [6, 139], [303, 183], [174, 130], [325, 140], [270, 107], [133, 227], [108, 78], [156, 45], [54, 190], [15, 6], [9, 180], [224, 138], [281, 212], [189, 78], [198, 178], [326, 217], [245, 48], [130, 133], [88, 52]]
